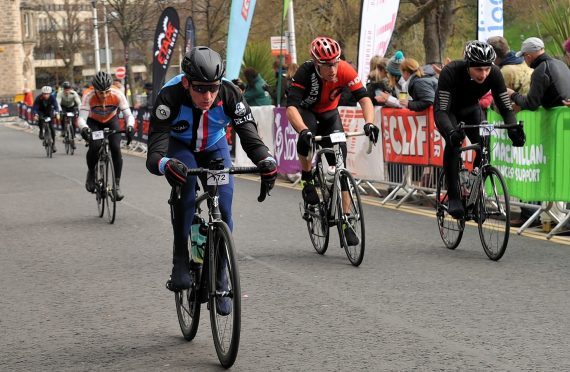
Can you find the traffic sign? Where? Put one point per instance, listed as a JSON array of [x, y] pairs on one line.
[[120, 72]]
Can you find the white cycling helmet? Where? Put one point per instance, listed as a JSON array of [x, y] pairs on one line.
[[46, 89]]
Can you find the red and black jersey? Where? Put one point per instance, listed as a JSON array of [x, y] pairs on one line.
[[308, 90]]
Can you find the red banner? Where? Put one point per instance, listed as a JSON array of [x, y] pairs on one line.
[[406, 136]]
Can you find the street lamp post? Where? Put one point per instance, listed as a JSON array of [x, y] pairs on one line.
[[107, 54], [96, 36]]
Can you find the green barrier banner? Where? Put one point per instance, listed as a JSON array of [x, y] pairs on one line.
[[538, 171]]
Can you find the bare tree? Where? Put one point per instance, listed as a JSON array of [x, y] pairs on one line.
[[129, 24], [66, 34], [211, 18]]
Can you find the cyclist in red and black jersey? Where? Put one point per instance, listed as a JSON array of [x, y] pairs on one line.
[[312, 104]]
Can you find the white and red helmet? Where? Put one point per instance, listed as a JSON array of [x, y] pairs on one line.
[[325, 50]]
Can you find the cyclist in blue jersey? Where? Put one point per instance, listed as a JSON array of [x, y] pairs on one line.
[[188, 130]]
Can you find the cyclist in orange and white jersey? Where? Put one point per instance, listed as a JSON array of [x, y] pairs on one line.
[[98, 110], [312, 103]]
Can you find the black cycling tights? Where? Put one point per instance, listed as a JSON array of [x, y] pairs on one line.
[[114, 145]]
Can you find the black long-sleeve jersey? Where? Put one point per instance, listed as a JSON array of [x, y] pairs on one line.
[[174, 116], [457, 92]]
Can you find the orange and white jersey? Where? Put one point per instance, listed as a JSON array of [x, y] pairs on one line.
[[103, 109]]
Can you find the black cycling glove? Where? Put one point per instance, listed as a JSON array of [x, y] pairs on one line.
[[86, 134], [130, 134], [372, 131], [456, 137], [517, 136], [175, 172]]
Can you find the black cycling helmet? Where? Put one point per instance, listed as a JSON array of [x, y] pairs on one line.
[[479, 53], [203, 64], [102, 81], [66, 85]]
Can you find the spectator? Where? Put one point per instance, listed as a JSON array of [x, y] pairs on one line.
[[377, 80], [395, 81], [514, 69], [550, 80], [256, 90], [549, 86], [291, 70], [421, 89], [283, 71]]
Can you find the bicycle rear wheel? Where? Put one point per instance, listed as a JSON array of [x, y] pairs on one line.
[[493, 214], [188, 308], [354, 220], [100, 187], [66, 142], [450, 229], [225, 294], [317, 215], [110, 187]]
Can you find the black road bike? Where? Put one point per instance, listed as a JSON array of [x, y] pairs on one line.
[[338, 193], [105, 183], [219, 259], [69, 132], [44, 122], [484, 196]]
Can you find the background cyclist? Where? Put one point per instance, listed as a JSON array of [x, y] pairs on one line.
[[69, 101], [188, 129], [461, 84], [46, 105], [98, 110], [312, 103]]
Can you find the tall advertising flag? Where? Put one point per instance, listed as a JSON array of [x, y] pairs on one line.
[[190, 35], [378, 18], [240, 21], [165, 38], [490, 19]]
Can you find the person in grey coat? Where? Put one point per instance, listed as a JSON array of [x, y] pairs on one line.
[[421, 88], [550, 80]]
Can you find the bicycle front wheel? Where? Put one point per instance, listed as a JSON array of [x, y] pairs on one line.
[[49, 144], [188, 308], [100, 187], [110, 187], [71, 137], [351, 219], [225, 294], [317, 215], [66, 141], [450, 229], [493, 213]]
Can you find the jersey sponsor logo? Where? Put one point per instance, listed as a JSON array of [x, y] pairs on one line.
[[180, 126], [162, 112], [248, 117], [240, 109], [355, 81], [335, 93]]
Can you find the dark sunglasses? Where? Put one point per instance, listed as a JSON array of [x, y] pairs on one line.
[[212, 88]]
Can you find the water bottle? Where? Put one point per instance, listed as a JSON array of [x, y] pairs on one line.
[[464, 182], [198, 237]]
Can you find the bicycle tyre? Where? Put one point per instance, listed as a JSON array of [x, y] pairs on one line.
[[188, 308], [99, 187], [71, 137], [66, 142], [354, 220], [110, 187], [317, 216], [493, 218], [450, 229], [222, 249], [49, 144]]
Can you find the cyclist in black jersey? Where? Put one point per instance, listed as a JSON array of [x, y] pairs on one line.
[[461, 84], [188, 130], [45, 105]]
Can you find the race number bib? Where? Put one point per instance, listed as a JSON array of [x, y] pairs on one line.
[[218, 178], [97, 135], [338, 137]]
